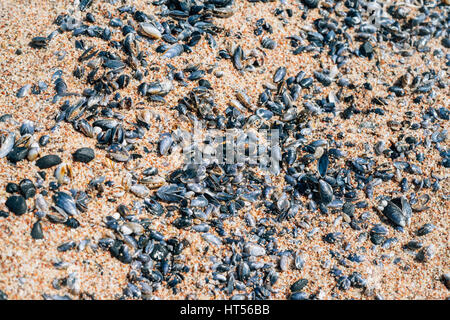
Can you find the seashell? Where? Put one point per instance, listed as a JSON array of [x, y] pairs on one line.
[[135, 228], [127, 181], [322, 165], [118, 192], [119, 155], [27, 127], [153, 182], [144, 116], [82, 200], [27, 188], [84, 127], [23, 91], [165, 143], [254, 249], [159, 88], [76, 111], [7, 144], [173, 51], [171, 193], [65, 202], [149, 30], [212, 239], [398, 211], [24, 141], [33, 153], [63, 173], [130, 45], [154, 207], [60, 217], [290, 114], [223, 12], [140, 190], [236, 104], [279, 74], [325, 192], [40, 203], [245, 100], [237, 58], [268, 43], [84, 4]]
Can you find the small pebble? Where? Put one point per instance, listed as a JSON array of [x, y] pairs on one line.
[[17, 205], [84, 155]]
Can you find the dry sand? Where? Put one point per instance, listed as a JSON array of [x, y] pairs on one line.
[[26, 270]]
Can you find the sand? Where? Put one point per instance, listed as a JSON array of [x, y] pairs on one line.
[[26, 265]]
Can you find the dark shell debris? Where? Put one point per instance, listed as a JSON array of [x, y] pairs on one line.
[[203, 196]]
